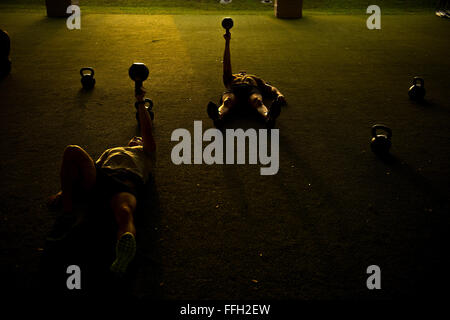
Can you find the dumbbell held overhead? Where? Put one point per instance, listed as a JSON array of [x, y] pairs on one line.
[[138, 72], [227, 24]]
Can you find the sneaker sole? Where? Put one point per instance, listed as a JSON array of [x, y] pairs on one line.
[[125, 252]]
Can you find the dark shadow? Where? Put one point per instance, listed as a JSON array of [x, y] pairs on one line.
[[433, 194], [427, 104], [423, 103], [91, 246], [83, 97], [50, 21]]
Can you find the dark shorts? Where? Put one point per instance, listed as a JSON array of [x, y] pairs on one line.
[[242, 92], [112, 181]]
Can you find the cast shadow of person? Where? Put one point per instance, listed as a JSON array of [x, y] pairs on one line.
[[90, 245]]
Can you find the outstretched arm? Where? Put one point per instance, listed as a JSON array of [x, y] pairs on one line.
[[278, 95], [145, 123], [227, 73], [271, 91]]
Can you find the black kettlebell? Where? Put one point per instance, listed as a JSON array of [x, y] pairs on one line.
[[227, 24], [148, 106], [381, 143], [417, 90], [87, 78]]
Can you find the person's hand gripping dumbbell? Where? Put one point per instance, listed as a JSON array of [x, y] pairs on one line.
[[139, 72]]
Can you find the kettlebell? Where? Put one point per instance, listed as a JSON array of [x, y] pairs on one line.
[[87, 78], [417, 90], [381, 143], [148, 106]]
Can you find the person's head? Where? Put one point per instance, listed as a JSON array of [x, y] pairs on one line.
[[136, 141]]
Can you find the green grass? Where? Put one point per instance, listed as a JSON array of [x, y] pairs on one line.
[[214, 7]]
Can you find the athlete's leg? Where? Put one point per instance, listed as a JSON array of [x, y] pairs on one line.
[[123, 205], [256, 101], [78, 175], [228, 102]]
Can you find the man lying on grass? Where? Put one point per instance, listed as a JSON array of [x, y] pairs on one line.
[[245, 89], [115, 179]]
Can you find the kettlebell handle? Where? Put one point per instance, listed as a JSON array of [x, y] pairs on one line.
[[87, 69], [381, 127], [418, 79]]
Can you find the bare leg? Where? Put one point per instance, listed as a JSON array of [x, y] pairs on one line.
[[78, 175], [256, 102], [123, 205], [229, 101]]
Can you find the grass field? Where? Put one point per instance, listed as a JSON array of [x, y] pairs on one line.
[[225, 232]]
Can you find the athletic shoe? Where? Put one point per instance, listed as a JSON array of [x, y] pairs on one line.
[[213, 113], [54, 202], [125, 252]]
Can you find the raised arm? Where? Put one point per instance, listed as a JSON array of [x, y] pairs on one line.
[[145, 123], [227, 73]]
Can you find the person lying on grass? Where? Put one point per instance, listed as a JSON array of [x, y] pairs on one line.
[[115, 179], [245, 89]]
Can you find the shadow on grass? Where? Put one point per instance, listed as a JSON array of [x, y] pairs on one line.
[[434, 195], [83, 97], [91, 246]]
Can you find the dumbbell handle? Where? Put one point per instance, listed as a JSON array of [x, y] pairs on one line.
[[138, 87]]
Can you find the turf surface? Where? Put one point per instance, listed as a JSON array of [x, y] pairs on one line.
[[215, 7], [225, 232]]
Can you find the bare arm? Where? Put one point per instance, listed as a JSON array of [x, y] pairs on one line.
[[145, 123], [227, 73], [271, 91], [278, 95]]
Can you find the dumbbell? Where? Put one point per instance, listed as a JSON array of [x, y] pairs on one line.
[[139, 72], [87, 78], [5, 47], [417, 90], [381, 143], [227, 24]]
